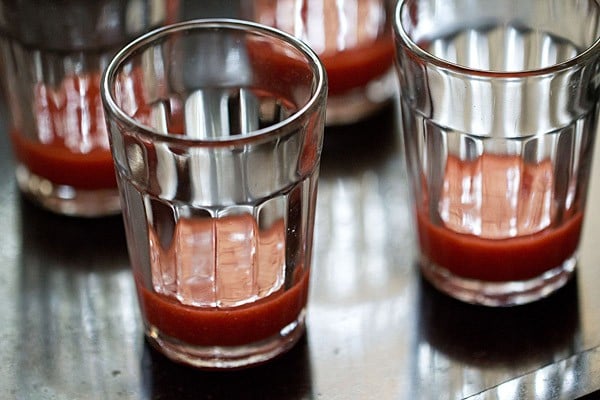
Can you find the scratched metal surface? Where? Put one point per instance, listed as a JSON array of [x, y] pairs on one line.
[[70, 326]]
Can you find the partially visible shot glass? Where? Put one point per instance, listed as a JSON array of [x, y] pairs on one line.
[[499, 103], [354, 41], [216, 130], [51, 58]]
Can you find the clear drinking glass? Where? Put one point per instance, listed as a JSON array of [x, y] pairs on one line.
[[216, 130], [52, 54], [499, 103], [353, 39]]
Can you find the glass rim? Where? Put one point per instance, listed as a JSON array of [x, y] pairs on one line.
[[107, 93], [408, 42]]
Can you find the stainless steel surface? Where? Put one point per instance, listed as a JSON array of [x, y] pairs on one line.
[[571, 378], [71, 327]]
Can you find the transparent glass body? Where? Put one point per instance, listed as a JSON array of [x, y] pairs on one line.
[[354, 41], [216, 129], [499, 106], [53, 55]]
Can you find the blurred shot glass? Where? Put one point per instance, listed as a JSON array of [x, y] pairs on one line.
[[52, 54], [216, 130], [499, 103], [353, 39]]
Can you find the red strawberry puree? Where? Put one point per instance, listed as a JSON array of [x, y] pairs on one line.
[[535, 245]]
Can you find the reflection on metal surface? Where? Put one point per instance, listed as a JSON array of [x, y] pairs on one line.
[[375, 329], [362, 292], [75, 300], [486, 346], [571, 378], [288, 377]]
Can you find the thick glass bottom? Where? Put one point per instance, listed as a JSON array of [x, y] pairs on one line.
[[498, 294], [65, 199], [357, 104], [227, 357]]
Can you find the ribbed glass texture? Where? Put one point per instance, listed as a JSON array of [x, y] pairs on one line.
[[219, 214], [499, 106], [499, 81]]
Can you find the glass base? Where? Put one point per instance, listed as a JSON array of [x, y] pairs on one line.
[[227, 357], [499, 294], [65, 199], [357, 104]]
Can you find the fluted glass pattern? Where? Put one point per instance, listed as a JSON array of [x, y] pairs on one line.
[[499, 106]]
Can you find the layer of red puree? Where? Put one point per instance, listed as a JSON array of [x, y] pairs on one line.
[[224, 327], [501, 260], [496, 256], [71, 147]]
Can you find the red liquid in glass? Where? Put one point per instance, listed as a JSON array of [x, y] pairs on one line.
[[498, 260], [494, 256], [224, 327], [358, 66], [353, 39], [71, 145], [225, 260]]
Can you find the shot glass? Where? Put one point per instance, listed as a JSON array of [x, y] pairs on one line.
[[499, 104], [354, 41], [52, 54], [216, 130]]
